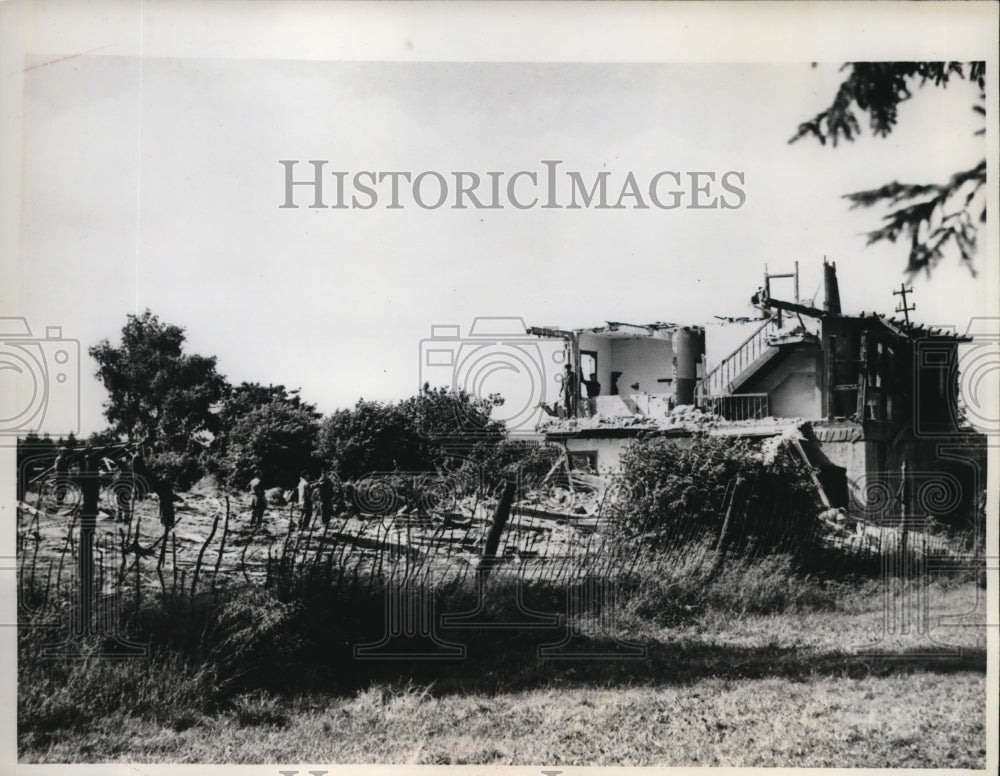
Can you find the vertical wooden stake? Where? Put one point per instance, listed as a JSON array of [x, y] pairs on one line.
[[496, 529]]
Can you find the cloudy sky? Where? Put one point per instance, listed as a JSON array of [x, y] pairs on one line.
[[150, 178]]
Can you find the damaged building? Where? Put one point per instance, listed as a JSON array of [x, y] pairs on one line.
[[869, 402]]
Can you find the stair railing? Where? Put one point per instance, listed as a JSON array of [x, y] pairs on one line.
[[717, 381]]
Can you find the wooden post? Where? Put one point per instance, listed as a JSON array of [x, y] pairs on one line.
[[496, 529], [222, 548], [863, 374], [829, 376], [201, 554], [90, 491], [823, 498], [724, 533], [578, 371]]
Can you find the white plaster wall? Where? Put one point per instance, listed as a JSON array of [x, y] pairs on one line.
[[850, 456], [792, 387], [642, 361], [609, 451]]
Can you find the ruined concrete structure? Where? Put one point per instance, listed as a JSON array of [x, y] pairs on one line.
[[870, 402]]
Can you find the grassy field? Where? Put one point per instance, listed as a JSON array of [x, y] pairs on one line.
[[929, 720], [817, 682], [708, 657]]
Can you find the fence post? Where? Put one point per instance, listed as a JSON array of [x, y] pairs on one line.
[[720, 546], [496, 528], [222, 548], [90, 488]]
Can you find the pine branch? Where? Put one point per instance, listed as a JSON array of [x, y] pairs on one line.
[[927, 213], [877, 88], [925, 204]]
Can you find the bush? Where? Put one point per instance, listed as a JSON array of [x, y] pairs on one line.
[[673, 495], [438, 429], [277, 439], [520, 460], [371, 437]]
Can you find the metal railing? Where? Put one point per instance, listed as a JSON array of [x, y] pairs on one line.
[[737, 406], [717, 382]]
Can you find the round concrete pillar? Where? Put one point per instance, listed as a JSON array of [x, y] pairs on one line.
[[689, 347]]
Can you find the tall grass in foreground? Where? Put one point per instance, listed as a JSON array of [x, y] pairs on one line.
[[235, 650], [231, 640]]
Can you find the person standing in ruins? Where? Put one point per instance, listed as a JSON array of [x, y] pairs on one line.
[[593, 389], [162, 487], [324, 489], [61, 467], [569, 390], [122, 487], [304, 492], [257, 499]]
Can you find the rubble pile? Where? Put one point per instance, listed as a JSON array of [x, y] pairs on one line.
[[684, 418]]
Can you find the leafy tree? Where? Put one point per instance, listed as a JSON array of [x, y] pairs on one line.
[[372, 437], [933, 216], [70, 442], [247, 397], [160, 396], [268, 428], [33, 446], [104, 438], [437, 428], [454, 416]]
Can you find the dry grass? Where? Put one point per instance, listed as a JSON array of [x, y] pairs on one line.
[[896, 721], [749, 661], [781, 689]]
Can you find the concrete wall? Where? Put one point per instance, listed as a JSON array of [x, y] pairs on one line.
[[943, 474], [793, 387], [847, 455], [615, 406], [609, 450], [656, 405], [643, 361]]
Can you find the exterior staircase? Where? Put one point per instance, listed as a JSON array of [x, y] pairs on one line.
[[723, 390], [745, 361]]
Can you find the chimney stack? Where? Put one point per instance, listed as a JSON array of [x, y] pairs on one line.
[[831, 291]]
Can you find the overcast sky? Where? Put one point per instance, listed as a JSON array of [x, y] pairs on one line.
[[154, 182]]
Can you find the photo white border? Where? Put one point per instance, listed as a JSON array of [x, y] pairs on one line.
[[444, 31]]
